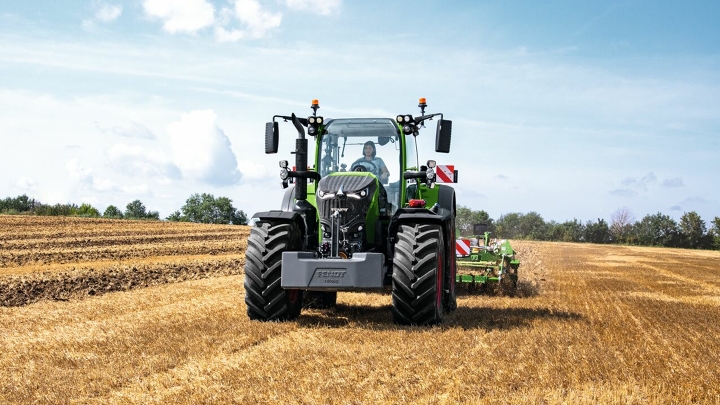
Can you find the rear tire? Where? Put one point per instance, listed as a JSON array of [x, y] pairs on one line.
[[265, 299], [418, 275]]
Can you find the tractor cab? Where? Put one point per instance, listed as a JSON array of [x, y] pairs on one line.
[[364, 147]]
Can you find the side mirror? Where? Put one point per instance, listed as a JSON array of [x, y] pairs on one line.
[[272, 137], [383, 140], [442, 136]]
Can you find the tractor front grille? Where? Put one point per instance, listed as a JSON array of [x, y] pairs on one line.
[[356, 209]]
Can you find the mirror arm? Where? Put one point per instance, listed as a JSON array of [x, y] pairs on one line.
[[427, 117], [303, 121]]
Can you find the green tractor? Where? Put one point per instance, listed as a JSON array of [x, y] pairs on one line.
[[365, 216]]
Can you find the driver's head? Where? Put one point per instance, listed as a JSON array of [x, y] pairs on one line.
[[369, 149]]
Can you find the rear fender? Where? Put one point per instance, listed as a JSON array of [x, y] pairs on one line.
[[444, 215], [416, 216]]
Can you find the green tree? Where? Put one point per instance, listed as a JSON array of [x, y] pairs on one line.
[[533, 226], [176, 216], [57, 209], [508, 226], [715, 233], [568, 231], [657, 230], [466, 218], [693, 231], [205, 208], [554, 231], [87, 210], [597, 232], [135, 210], [573, 231], [112, 212], [21, 203]]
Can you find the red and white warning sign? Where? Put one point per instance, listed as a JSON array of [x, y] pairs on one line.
[[445, 173], [462, 247]]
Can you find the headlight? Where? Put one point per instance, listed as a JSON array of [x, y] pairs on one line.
[[399, 119], [431, 164], [319, 120], [324, 195], [311, 120], [284, 173], [408, 118], [358, 195]]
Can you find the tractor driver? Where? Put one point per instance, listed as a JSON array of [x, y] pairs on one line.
[[372, 163]]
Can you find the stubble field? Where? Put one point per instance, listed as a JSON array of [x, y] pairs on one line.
[[101, 311]]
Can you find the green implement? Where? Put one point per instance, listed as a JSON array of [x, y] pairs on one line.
[[492, 262]]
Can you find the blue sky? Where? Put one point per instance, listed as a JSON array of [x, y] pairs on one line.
[[572, 109]]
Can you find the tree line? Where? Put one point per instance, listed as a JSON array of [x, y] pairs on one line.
[[200, 208], [652, 230]]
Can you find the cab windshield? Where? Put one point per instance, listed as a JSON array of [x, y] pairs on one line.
[[363, 145]]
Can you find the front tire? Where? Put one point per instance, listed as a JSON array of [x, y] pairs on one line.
[[418, 275], [265, 299]]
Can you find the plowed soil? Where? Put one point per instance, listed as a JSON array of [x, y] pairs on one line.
[[60, 258], [592, 325]]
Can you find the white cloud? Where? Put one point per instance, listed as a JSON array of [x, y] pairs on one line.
[[107, 12], [78, 172], [223, 35], [99, 184], [202, 150], [85, 177], [643, 183], [322, 7], [623, 192], [255, 172], [181, 15], [141, 189], [138, 161], [26, 183], [134, 130], [256, 21], [674, 182], [104, 12]]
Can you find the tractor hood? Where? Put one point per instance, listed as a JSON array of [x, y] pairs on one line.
[[354, 185], [355, 196]]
